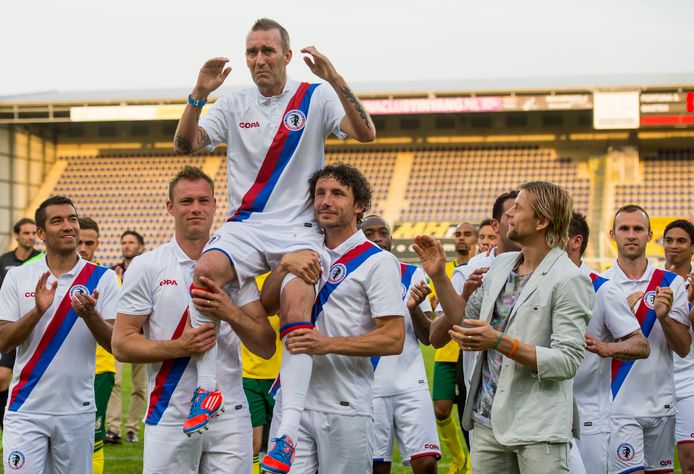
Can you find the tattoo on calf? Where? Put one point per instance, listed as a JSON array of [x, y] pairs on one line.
[[357, 105]]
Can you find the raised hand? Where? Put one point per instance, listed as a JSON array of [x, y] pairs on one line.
[[474, 282], [43, 295], [319, 64], [84, 304], [212, 75], [663, 301], [633, 299], [431, 255]]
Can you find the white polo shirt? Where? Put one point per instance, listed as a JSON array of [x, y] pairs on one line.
[[404, 372], [649, 388], [684, 371], [55, 365], [611, 320], [274, 144], [367, 287], [156, 285]]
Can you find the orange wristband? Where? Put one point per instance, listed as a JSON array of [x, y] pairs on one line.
[[512, 352]]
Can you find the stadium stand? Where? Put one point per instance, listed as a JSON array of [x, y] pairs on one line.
[[452, 183], [124, 192], [666, 187]]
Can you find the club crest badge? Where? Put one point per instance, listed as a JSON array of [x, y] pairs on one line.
[[403, 290], [625, 452], [294, 120], [649, 299], [16, 460], [337, 273], [78, 290]]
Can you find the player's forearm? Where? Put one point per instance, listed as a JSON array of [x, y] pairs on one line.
[[525, 354], [677, 335], [14, 333], [255, 333], [135, 347], [189, 137], [633, 347], [421, 323], [452, 303], [438, 332], [355, 112], [101, 330], [383, 341]]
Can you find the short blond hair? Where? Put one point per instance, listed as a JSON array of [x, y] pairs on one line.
[[552, 202]]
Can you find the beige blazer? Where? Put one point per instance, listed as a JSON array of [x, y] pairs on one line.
[[551, 313]]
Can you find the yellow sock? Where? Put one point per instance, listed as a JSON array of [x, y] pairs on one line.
[[256, 464], [98, 458], [448, 432]]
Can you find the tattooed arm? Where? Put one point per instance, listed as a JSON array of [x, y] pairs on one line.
[[189, 137], [357, 123]]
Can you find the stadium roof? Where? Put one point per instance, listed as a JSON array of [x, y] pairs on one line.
[[386, 89]]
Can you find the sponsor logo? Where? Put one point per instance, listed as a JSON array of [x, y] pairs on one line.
[[666, 462], [294, 120], [337, 273], [625, 452], [78, 290], [168, 282], [249, 124], [432, 446], [16, 460], [649, 298], [29, 294], [213, 239]]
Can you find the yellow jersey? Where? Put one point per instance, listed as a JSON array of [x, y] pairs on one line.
[[449, 352], [105, 362], [255, 367]]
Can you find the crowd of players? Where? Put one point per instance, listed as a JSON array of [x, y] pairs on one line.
[[563, 369]]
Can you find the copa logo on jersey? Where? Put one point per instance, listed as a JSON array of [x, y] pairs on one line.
[[649, 299], [338, 273], [78, 290], [625, 452], [294, 120], [16, 460], [213, 239]]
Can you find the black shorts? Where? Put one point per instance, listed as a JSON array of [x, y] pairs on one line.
[[7, 359]]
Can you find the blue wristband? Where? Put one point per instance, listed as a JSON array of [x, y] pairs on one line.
[[196, 103]]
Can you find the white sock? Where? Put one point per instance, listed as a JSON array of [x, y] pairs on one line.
[[295, 375], [206, 364]]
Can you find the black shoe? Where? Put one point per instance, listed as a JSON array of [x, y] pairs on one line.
[[112, 438], [131, 437]]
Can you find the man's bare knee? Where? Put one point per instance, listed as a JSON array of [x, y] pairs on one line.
[[296, 301], [214, 265]]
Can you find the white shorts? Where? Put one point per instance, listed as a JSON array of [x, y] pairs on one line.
[[226, 447], [340, 443], [684, 421], [642, 443], [34, 443], [593, 450], [409, 419], [255, 249], [576, 465]]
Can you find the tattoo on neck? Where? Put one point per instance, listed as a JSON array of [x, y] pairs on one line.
[[357, 105], [183, 145]]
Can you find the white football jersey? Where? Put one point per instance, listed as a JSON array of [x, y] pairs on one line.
[[403, 372], [648, 388], [611, 320], [156, 285], [363, 284], [684, 370], [274, 144], [55, 365]]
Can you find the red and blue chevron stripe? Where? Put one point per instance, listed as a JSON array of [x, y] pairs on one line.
[[53, 338], [597, 280], [279, 154], [406, 274], [167, 379], [351, 260], [646, 318]]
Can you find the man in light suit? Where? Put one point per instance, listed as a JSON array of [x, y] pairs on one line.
[[526, 322]]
